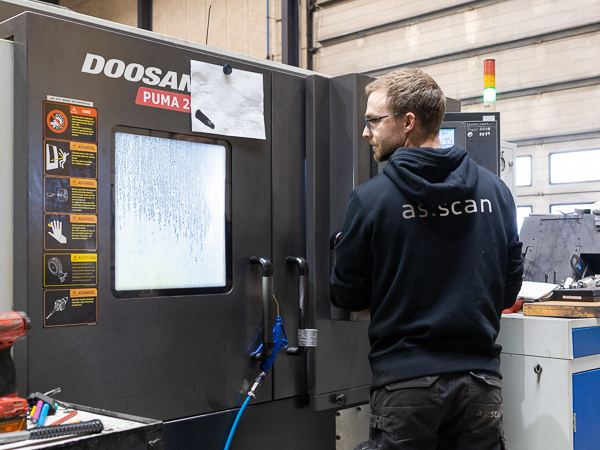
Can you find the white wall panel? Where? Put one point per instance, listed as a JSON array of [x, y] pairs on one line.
[[498, 22], [361, 14], [526, 67], [554, 113]]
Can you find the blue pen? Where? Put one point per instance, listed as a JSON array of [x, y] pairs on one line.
[[43, 415]]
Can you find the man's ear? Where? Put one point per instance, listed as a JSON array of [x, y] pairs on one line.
[[409, 122]]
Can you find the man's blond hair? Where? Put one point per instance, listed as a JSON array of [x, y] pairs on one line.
[[412, 90]]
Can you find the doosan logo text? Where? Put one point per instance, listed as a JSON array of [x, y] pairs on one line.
[[152, 76]]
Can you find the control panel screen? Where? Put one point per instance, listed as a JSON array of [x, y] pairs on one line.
[[170, 204], [447, 138]]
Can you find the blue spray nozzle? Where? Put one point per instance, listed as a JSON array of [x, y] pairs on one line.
[[279, 341]]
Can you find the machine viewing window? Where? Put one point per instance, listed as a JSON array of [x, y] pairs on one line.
[[172, 201], [523, 171], [574, 167], [447, 137]]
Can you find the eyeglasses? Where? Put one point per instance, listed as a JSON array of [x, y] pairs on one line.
[[375, 119]]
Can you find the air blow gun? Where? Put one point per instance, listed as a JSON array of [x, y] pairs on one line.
[[279, 341]]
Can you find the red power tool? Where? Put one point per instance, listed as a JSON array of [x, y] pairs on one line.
[[13, 325]]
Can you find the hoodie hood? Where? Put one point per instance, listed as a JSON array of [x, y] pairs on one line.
[[432, 176]]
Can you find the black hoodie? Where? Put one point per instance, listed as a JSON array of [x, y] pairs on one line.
[[431, 247]]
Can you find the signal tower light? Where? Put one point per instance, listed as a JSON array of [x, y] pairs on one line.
[[489, 80]]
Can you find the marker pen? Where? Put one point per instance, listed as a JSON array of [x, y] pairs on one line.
[[38, 411], [43, 415]]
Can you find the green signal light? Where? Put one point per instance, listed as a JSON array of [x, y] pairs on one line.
[[489, 94]]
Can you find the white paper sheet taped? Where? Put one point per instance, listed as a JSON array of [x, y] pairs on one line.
[[230, 105]]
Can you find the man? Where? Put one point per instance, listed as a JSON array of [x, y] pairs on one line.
[[430, 249]]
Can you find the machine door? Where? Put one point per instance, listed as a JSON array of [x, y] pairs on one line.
[[338, 160], [144, 248]]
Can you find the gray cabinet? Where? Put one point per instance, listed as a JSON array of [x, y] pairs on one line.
[[551, 382]]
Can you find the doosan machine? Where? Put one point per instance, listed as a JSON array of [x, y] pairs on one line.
[[163, 193]]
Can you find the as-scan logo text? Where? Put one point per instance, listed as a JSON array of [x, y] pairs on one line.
[[152, 76]]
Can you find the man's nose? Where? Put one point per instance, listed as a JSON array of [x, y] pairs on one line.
[[366, 133]]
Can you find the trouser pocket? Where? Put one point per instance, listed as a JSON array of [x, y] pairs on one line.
[[484, 408], [407, 409]]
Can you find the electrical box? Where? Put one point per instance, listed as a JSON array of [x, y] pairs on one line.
[[477, 133]]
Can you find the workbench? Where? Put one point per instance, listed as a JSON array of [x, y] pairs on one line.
[[121, 432], [551, 370]]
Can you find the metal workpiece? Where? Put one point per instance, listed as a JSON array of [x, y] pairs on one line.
[[551, 240]]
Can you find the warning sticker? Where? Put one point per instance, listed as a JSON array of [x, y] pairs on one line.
[[70, 232], [70, 269], [64, 307], [70, 195], [70, 122], [70, 159]]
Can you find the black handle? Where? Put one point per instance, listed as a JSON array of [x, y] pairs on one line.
[[267, 295], [333, 241], [577, 266], [306, 338]]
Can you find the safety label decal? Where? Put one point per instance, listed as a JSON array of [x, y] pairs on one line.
[[70, 169], [70, 232], [70, 122], [65, 307], [70, 195], [70, 159], [70, 269]]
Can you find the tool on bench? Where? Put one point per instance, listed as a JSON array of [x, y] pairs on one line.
[[13, 409], [89, 427]]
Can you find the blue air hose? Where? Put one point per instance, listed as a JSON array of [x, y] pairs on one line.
[[279, 341], [237, 419]]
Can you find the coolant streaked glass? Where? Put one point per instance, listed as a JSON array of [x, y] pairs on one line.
[[170, 205]]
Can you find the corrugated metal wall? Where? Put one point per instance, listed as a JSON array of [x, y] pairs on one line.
[[547, 67]]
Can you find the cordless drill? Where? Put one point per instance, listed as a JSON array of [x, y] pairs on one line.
[[13, 325]]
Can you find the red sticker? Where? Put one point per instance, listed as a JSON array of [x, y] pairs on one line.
[[57, 121], [156, 98]]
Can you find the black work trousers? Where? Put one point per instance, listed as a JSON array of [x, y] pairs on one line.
[[450, 411]]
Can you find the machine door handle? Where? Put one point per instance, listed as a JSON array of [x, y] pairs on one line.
[[333, 241], [306, 337], [267, 294]]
